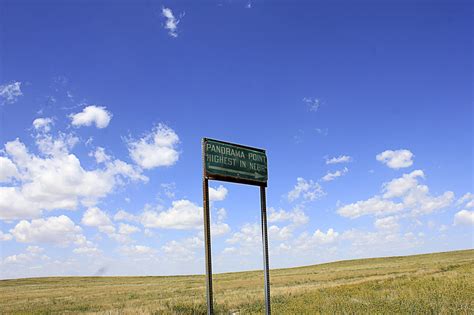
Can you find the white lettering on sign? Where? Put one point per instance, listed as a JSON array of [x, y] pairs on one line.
[[223, 150]]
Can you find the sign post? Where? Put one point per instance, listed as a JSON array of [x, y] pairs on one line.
[[238, 164]]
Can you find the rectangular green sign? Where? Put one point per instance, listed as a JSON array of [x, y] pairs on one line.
[[233, 162]]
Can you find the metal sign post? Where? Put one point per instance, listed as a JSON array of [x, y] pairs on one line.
[[239, 164], [266, 268], [207, 241]]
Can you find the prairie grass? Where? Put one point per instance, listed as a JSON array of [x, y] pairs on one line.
[[441, 283]]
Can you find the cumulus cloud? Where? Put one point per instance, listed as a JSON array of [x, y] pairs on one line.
[[183, 214], [43, 124], [464, 217], [308, 241], [307, 190], [248, 235], [126, 229], [332, 176], [218, 194], [55, 179], [92, 114], [219, 228], [59, 230], [313, 103], [324, 238], [123, 215], [280, 233], [381, 242], [10, 92], [396, 159], [87, 250], [85, 247], [32, 254], [137, 250], [171, 23], [183, 250], [169, 189], [96, 217], [8, 170], [467, 198], [387, 224], [158, 148], [399, 187], [296, 216], [100, 155], [400, 194], [339, 159], [375, 206], [5, 236]]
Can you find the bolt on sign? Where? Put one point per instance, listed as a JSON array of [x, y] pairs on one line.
[[239, 164]]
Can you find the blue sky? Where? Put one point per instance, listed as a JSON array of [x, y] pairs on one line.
[[365, 110]]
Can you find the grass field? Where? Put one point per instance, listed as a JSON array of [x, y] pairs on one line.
[[441, 283]]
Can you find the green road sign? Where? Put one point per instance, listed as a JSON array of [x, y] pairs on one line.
[[233, 162]]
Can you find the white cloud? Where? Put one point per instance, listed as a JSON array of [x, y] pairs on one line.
[[382, 242], [325, 238], [123, 215], [279, 233], [218, 194], [313, 103], [8, 170], [219, 228], [43, 124], [306, 242], [92, 114], [375, 206], [155, 149], [169, 189], [95, 217], [59, 230], [10, 92], [221, 214], [183, 214], [468, 198], [32, 255], [56, 180], [339, 159], [229, 250], [387, 224], [308, 190], [414, 197], [400, 186], [127, 229], [183, 250], [171, 23], [249, 235], [137, 250], [332, 176], [421, 202], [88, 251], [85, 247], [148, 233], [100, 155], [98, 218], [464, 217], [396, 159], [5, 236], [296, 216]]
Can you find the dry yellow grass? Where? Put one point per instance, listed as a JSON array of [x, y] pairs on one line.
[[441, 283]]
